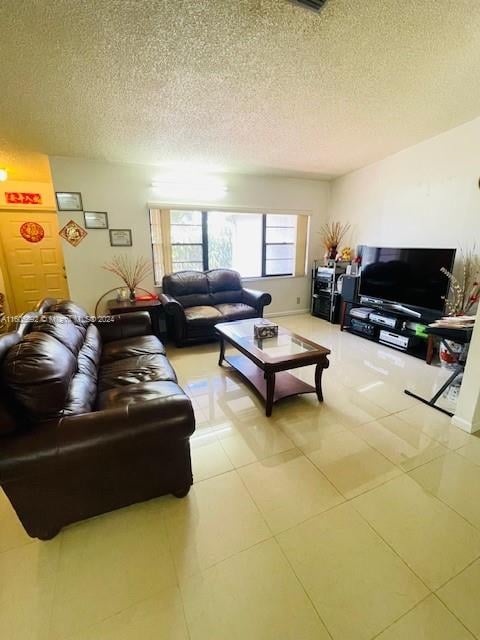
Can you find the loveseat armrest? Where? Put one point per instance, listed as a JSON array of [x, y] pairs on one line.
[[256, 299], [176, 319], [125, 325], [171, 305]]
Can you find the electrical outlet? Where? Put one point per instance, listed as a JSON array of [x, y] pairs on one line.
[[298, 300]]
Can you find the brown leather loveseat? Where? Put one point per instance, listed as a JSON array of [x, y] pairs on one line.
[[91, 417], [195, 301]]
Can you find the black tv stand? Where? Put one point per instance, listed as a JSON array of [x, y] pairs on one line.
[[391, 327]]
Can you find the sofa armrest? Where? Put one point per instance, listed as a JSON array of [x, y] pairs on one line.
[[256, 299], [171, 305], [125, 325], [168, 417], [109, 434], [176, 320]]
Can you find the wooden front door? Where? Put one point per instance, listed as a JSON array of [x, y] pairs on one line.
[[33, 270]]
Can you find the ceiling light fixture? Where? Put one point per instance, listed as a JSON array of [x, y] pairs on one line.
[[194, 187], [3, 175]]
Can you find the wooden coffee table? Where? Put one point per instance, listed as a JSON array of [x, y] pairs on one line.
[[263, 363]]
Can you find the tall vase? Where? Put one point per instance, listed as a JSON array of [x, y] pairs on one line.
[[132, 295], [332, 252]]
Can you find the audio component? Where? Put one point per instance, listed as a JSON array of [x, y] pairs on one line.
[[359, 326], [386, 321], [394, 340], [361, 312]]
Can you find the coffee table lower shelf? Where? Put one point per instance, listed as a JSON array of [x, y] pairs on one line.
[[285, 385]]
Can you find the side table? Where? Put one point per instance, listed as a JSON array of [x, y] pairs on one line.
[[154, 308]]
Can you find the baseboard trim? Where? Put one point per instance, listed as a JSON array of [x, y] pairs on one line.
[[278, 314], [465, 425]]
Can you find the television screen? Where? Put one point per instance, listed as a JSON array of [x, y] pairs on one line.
[[411, 277]]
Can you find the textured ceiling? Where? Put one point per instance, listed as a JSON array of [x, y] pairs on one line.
[[242, 85]]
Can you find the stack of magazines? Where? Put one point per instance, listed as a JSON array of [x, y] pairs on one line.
[[454, 322]]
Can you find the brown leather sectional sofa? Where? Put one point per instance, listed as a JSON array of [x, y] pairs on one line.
[[91, 417], [195, 301]]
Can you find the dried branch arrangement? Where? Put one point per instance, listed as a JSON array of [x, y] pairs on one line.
[[333, 232], [464, 291], [130, 271]]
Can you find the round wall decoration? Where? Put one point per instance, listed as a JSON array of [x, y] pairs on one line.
[[32, 231]]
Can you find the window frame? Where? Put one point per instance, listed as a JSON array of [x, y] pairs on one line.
[[164, 256], [266, 244], [190, 244]]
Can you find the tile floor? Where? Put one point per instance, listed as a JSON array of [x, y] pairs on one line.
[[357, 519]]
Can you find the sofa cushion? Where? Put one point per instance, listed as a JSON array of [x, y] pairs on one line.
[[236, 311], [128, 347], [202, 315], [90, 353], [190, 288], [81, 394], [144, 368], [38, 371], [225, 285], [136, 393], [73, 311], [60, 327]]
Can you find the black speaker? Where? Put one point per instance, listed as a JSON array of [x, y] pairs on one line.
[[350, 288]]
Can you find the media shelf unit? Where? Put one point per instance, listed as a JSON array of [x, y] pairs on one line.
[[420, 346]]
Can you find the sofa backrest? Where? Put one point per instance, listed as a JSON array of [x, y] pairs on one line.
[[190, 288], [52, 370], [198, 288], [224, 285], [7, 405]]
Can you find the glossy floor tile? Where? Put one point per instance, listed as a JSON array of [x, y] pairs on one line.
[[471, 449], [160, 618], [208, 456], [109, 563], [434, 424], [288, 489], [461, 597], [434, 540], [254, 594], [356, 582], [217, 519], [352, 465], [352, 519], [401, 443], [455, 480], [27, 587], [429, 620], [257, 441]]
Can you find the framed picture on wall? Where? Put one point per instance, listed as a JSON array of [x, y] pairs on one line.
[[120, 237], [96, 219], [69, 201]]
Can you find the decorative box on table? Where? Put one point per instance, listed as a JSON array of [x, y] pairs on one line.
[[265, 329]]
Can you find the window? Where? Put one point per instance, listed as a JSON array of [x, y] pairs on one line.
[[235, 242], [254, 244], [186, 234], [279, 241]]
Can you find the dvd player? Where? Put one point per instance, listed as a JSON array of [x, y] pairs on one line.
[[394, 340], [387, 321]]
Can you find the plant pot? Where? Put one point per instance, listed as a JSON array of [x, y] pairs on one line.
[[448, 359], [332, 252]]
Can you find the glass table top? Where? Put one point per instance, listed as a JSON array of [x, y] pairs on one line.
[[283, 345]]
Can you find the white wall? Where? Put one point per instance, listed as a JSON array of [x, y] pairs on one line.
[[124, 190], [427, 195]]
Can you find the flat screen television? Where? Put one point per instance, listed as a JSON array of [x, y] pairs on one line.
[[406, 276]]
